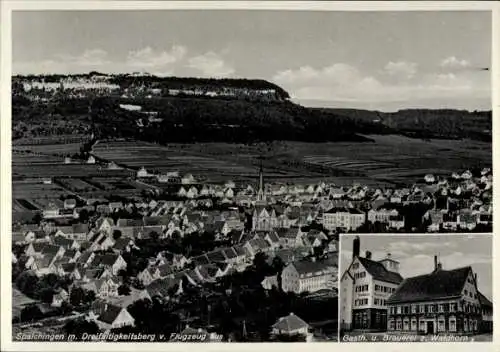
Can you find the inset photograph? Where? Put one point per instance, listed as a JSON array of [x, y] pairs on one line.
[[417, 288]]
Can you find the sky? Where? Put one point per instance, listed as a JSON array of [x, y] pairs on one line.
[[416, 253], [374, 60]]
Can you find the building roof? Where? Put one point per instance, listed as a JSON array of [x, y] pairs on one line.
[[436, 285], [290, 323], [484, 301], [305, 267], [62, 241], [121, 243], [110, 313], [379, 272], [129, 222], [216, 256], [200, 260], [344, 210]]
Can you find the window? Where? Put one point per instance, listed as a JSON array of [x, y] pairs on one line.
[[391, 324], [406, 324], [440, 308], [399, 310], [441, 324], [399, 325], [422, 308], [452, 322], [413, 310], [453, 307], [422, 325], [414, 324]]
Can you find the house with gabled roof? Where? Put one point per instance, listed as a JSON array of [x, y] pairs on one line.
[[109, 316], [179, 261], [230, 255], [146, 275], [257, 245], [102, 242], [165, 287], [269, 282], [65, 268], [290, 237], [316, 238], [91, 274], [112, 261], [105, 225], [103, 287], [216, 256], [66, 243], [207, 272], [440, 302], [123, 244], [44, 265], [59, 298]]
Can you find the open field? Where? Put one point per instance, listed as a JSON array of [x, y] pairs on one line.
[[25, 190], [162, 159], [53, 149], [63, 139], [36, 165], [389, 159]]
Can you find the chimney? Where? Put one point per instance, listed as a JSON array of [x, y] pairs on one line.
[[435, 262], [368, 255], [355, 247]]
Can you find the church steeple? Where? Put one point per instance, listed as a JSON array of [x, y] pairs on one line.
[[261, 197]]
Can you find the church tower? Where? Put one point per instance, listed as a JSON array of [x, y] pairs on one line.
[[261, 196]]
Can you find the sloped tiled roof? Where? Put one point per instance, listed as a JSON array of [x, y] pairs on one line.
[[379, 272], [484, 301], [216, 256], [436, 285], [110, 314], [312, 267], [290, 323]]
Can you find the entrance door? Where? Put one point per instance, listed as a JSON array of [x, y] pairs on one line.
[[430, 327]]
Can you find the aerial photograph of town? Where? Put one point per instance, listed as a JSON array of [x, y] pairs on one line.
[[194, 176]]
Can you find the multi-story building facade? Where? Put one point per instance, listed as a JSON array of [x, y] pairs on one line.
[[442, 302], [348, 219], [309, 276], [364, 289]]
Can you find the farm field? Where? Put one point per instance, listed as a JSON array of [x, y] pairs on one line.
[[31, 165], [24, 190], [389, 159], [53, 149], [52, 140], [162, 159]]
